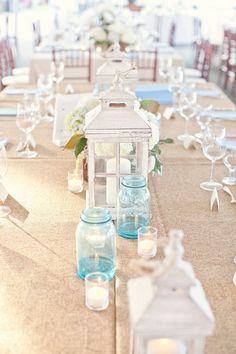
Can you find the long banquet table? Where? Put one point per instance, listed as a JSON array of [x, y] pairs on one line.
[[42, 300]]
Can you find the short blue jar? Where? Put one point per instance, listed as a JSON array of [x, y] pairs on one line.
[[133, 206], [96, 243]]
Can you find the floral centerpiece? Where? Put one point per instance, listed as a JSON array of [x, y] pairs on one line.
[[149, 109], [105, 29]]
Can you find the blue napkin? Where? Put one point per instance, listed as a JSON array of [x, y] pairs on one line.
[[229, 143], [8, 111], [227, 115], [208, 93], [160, 93], [3, 141], [21, 91]]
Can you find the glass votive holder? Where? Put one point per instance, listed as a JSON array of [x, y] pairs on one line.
[[75, 181], [147, 241], [97, 291]]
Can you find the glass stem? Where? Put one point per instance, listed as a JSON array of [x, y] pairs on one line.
[[186, 128], [27, 143], [212, 170]]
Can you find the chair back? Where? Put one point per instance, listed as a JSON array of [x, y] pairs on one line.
[[172, 34], [203, 58], [77, 62], [37, 38], [146, 62]]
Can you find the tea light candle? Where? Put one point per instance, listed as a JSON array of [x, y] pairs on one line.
[[75, 185], [166, 346], [75, 181], [147, 248], [125, 167], [147, 241], [97, 291], [97, 298]]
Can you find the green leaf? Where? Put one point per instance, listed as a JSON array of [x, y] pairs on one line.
[[166, 141], [80, 146], [158, 166], [156, 150], [150, 106], [71, 143]]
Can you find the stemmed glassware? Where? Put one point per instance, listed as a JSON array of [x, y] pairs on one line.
[[57, 71], [26, 121], [45, 84], [165, 64], [176, 79], [203, 117], [230, 163], [187, 101], [4, 210], [214, 150]]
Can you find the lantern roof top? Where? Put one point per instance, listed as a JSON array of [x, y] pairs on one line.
[[117, 115], [116, 60], [170, 300]]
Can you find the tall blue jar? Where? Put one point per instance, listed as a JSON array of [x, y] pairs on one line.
[[96, 243], [133, 209]]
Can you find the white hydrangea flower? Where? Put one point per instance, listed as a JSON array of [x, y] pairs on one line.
[[153, 121], [98, 34], [128, 36], [107, 149], [116, 27]]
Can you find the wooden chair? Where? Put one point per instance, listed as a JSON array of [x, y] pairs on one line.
[[225, 54], [37, 38], [202, 61], [172, 34], [12, 39], [146, 62], [10, 74], [77, 59], [230, 70]]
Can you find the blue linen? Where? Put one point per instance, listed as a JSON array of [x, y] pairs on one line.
[[8, 111], [160, 93]]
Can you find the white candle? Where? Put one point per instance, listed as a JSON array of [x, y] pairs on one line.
[[125, 167], [75, 185], [147, 248], [97, 298], [166, 346]]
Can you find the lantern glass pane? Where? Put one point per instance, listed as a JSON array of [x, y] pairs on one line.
[[100, 191]]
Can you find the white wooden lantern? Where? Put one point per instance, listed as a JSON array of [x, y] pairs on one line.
[[169, 312], [118, 145], [115, 61]]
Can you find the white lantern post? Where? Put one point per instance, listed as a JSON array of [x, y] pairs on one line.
[[115, 61], [169, 312], [118, 145]]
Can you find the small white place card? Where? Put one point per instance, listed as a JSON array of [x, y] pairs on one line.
[[168, 113], [215, 200], [189, 143], [69, 89]]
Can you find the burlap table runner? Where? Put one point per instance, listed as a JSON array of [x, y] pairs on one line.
[[42, 300]]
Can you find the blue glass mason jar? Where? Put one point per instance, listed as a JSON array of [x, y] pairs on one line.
[[133, 209], [96, 243]]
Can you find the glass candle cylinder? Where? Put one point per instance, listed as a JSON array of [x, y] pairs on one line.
[[96, 243], [97, 291], [133, 209], [75, 181], [147, 241]]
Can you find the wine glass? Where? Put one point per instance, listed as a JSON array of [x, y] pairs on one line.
[[45, 85], [187, 101], [165, 64], [203, 117], [57, 71], [176, 79], [230, 163], [214, 150], [26, 121], [4, 210]]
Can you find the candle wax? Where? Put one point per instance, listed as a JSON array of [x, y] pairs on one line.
[[75, 185], [147, 247], [97, 298]]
